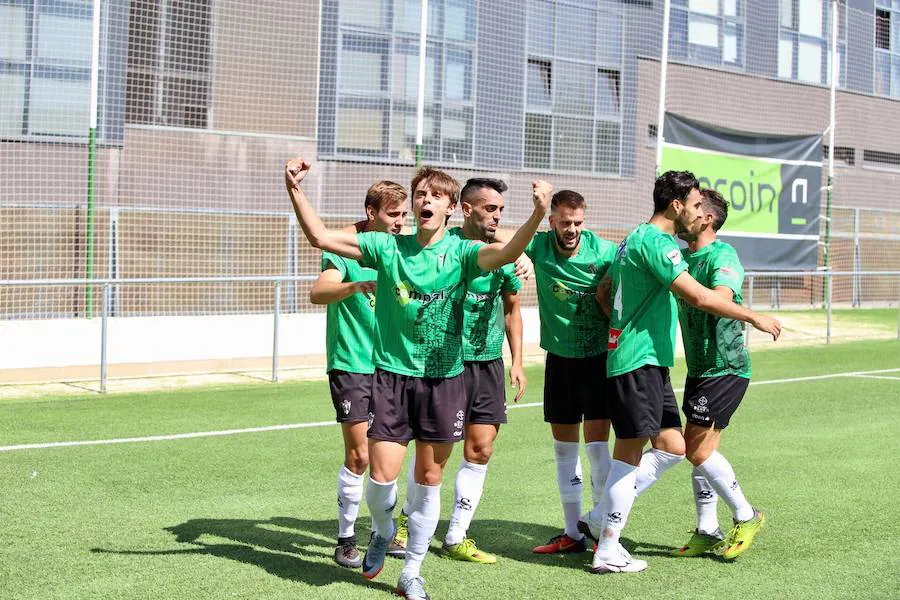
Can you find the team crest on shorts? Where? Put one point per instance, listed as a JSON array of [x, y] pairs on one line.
[[345, 406], [371, 419]]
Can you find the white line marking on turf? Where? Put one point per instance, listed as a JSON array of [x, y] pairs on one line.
[[205, 434], [877, 377]]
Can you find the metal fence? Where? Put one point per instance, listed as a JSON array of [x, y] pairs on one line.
[[888, 282]]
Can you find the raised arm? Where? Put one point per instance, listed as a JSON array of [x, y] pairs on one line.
[[330, 288], [513, 316], [714, 302], [493, 256], [339, 242]]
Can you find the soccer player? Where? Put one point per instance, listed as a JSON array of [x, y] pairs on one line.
[[718, 374], [648, 266], [419, 391], [491, 308], [569, 262], [349, 291]]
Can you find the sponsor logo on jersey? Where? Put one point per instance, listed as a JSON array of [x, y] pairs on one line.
[[405, 294], [613, 342], [674, 256], [481, 297], [564, 292]]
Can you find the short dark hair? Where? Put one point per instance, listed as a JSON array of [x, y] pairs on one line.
[[479, 183], [715, 203], [672, 185], [567, 198]]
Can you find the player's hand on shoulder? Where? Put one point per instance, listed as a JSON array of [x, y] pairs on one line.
[[524, 267], [541, 193], [295, 171]]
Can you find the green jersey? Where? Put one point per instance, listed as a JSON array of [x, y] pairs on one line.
[[714, 346], [419, 301], [350, 323], [572, 324], [643, 324], [484, 322]]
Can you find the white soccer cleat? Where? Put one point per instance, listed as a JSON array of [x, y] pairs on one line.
[[616, 560]]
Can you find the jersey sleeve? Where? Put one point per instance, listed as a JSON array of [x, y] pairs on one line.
[[606, 256], [373, 245], [727, 271], [663, 259], [469, 257], [532, 244], [333, 261], [510, 282]]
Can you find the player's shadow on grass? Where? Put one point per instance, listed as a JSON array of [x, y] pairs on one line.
[[288, 548]]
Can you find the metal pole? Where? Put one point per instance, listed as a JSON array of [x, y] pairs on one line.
[[857, 261], [276, 319], [92, 159], [835, 74], [663, 70], [420, 103], [828, 310], [748, 329], [104, 332]]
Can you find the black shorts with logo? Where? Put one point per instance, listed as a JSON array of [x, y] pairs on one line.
[[351, 394], [404, 408], [485, 392], [575, 389], [710, 401], [642, 402]]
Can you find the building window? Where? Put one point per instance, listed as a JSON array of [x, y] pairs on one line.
[[573, 92], [168, 63], [804, 48], [45, 68], [709, 32], [378, 79], [887, 48]]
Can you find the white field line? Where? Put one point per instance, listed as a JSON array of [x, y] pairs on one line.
[[205, 434], [878, 377]]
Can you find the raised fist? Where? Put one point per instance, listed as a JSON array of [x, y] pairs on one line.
[[294, 171]]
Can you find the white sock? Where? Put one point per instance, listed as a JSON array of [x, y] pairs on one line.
[[423, 520], [349, 493], [653, 464], [469, 486], [706, 500], [410, 484], [720, 475], [568, 478], [620, 495], [598, 455], [381, 499]]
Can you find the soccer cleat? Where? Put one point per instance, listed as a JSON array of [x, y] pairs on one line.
[[467, 551], [397, 547], [373, 561], [700, 543], [562, 544], [616, 560], [412, 588], [346, 553], [590, 527], [741, 535]]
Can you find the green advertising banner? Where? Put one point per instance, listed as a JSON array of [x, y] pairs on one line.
[[772, 183]]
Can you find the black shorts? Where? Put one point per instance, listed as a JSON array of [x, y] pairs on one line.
[[404, 408], [575, 389], [642, 402], [485, 392], [351, 394], [710, 401]]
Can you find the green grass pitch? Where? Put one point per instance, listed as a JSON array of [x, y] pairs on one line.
[[253, 515]]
